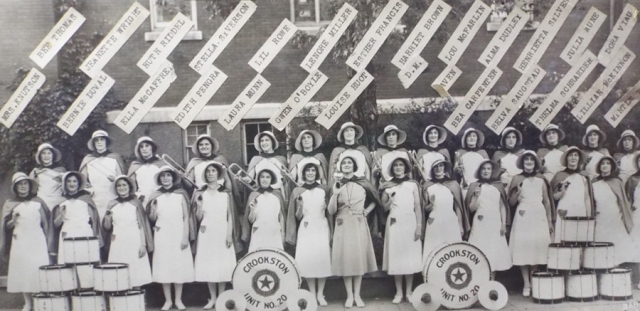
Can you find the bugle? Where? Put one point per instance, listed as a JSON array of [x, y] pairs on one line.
[[376, 161], [103, 170], [285, 172], [414, 157], [176, 167], [238, 173], [459, 164]]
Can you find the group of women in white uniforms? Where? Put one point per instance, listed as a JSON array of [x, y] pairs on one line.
[[173, 231]]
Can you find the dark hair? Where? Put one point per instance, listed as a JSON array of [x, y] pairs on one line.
[[355, 164]]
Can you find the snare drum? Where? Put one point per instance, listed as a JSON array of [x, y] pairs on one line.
[[88, 301], [81, 250], [547, 287], [47, 302], [57, 279], [132, 300], [615, 284], [111, 277], [84, 275], [599, 256], [578, 230], [563, 257], [582, 286]]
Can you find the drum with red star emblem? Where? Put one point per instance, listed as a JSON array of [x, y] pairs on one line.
[[265, 278], [457, 270]]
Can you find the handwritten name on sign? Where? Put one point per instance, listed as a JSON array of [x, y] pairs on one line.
[[21, 97], [583, 36], [344, 99], [272, 47], [145, 98], [473, 99], [329, 38], [198, 96], [446, 79], [243, 103], [223, 36], [61, 32], [89, 98], [518, 95], [412, 70], [464, 33], [621, 108], [604, 85], [422, 33], [503, 39], [114, 40], [157, 54], [564, 90], [619, 35], [376, 35], [309, 87], [545, 33]]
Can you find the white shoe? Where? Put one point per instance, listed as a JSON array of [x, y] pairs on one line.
[[397, 299], [210, 304], [359, 302], [321, 301], [167, 306], [180, 305], [26, 308], [348, 303], [526, 292]]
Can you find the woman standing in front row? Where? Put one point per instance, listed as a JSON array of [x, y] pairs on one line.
[[633, 194], [265, 211]]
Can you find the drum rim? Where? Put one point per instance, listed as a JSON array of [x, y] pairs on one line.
[[86, 293], [548, 301], [546, 274], [89, 263], [617, 271], [54, 267], [599, 244], [564, 245], [616, 298], [80, 238], [580, 218], [275, 250], [49, 295], [130, 292], [116, 265], [584, 299], [584, 272], [425, 269]]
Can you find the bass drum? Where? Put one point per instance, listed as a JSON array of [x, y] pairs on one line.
[[266, 278], [457, 270]]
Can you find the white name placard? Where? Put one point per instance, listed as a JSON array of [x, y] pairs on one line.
[[619, 34], [601, 88], [145, 98], [503, 39], [464, 33], [21, 97], [223, 36], [344, 99], [157, 54], [518, 95], [473, 99], [302, 95], [621, 108], [61, 32], [201, 92], [583, 36], [412, 71], [272, 47], [446, 79], [376, 35], [329, 38], [88, 99], [114, 40], [564, 90], [545, 33], [422, 33], [243, 103]]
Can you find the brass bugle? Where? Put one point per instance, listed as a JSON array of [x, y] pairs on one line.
[[242, 176], [176, 167], [376, 162], [459, 163], [414, 157], [285, 172]]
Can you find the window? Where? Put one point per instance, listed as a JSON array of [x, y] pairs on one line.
[[163, 11], [190, 135], [310, 14], [249, 132]]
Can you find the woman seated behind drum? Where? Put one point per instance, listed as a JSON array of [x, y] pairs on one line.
[[216, 221], [628, 145], [130, 233], [26, 236], [433, 137], [77, 216], [468, 159], [402, 249], [633, 194], [571, 190], [265, 212], [48, 173], [488, 200], [144, 167], [593, 140], [308, 204], [307, 144], [173, 230], [511, 143], [613, 216], [551, 152], [353, 198], [530, 196]]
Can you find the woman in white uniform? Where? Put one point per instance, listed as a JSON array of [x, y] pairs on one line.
[[348, 136], [433, 138], [48, 174], [552, 150], [530, 197], [205, 149], [632, 188], [265, 212], [307, 145], [26, 237], [402, 246], [511, 143], [267, 144], [128, 233], [307, 218], [391, 143], [146, 165], [468, 159], [593, 141], [173, 230], [628, 145]]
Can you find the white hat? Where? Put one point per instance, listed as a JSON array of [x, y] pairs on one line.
[[358, 128], [274, 177], [495, 171], [215, 146], [218, 167], [551, 127], [563, 158], [81, 179], [20, 176], [317, 139], [56, 153], [349, 153], [508, 130], [594, 128], [144, 139], [480, 137], [132, 184], [447, 167], [96, 134], [176, 177], [404, 159], [628, 133], [442, 134], [614, 164], [402, 135], [308, 161], [520, 160], [256, 140]]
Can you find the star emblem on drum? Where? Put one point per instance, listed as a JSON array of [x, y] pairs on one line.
[[459, 275], [265, 282]]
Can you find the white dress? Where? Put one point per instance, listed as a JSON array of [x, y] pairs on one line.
[[28, 250], [427, 161], [609, 224], [49, 189], [313, 253], [442, 225], [387, 159], [635, 232], [594, 157], [575, 201], [125, 243], [552, 163], [530, 236], [485, 231], [76, 224], [266, 231], [402, 252], [214, 260], [508, 162], [144, 176], [627, 167], [471, 161], [171, 264], [100, 182]]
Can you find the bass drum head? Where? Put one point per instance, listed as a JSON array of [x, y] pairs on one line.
[[266, 278], [458, 271]]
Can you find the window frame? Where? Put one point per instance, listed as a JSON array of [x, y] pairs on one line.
[[308, 26], [248, 142], [157, 27], [185, 138]]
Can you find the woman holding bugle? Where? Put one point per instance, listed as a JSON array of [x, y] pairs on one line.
[[48, 173], [628, 146], [551, 151], [307, 145], [265, 211], [594, 150], [468, 159], [511, 143], [145, 166]]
